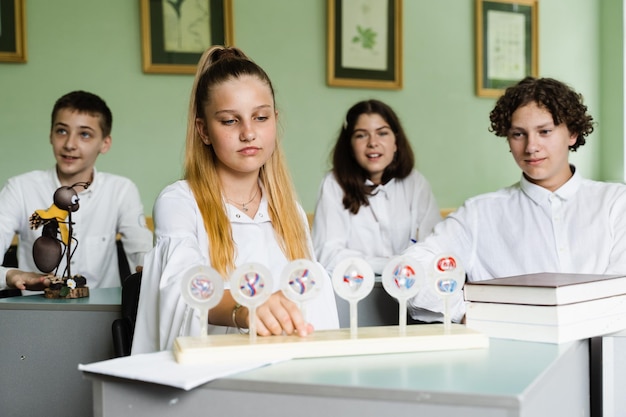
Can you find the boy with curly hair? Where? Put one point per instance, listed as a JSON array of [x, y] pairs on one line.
[[552, 220]]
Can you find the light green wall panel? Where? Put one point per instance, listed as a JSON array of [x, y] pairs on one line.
[[95, 45], [612, 90]]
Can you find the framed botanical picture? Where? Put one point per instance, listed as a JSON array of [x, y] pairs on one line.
[[175, 33], [12, 31], [364, 43], [506, 44]]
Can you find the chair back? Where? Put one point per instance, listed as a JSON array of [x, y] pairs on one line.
[[124, 328]]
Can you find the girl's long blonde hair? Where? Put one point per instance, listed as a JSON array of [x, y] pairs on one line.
[[217, 65]]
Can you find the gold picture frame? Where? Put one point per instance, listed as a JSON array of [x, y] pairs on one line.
[[507, 38], [175, 34], [355, 56], [13, 34]]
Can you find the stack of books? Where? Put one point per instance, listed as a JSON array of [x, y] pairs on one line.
[[547, 307]]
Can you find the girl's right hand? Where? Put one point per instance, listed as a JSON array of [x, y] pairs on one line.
[[280, 315]]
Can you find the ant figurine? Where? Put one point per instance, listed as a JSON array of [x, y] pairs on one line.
[[48, 249]]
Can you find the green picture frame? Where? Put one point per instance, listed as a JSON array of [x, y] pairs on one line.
[[13, 31], [174, 34], [507, 38], [364, 44]]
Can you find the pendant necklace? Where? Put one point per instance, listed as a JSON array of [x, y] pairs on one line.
[[243, 205]]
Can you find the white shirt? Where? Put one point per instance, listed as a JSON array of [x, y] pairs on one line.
[[182, 243], [400, 213], [110, 205], [525, 228]]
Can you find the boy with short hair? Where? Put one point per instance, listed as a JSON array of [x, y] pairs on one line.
[[109, 205], [552, 220]]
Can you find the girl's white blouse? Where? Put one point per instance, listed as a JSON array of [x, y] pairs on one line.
[[182, 243]]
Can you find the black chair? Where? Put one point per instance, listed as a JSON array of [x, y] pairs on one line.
[[122, 260], [123, 328], [10, 257], [10, 261]]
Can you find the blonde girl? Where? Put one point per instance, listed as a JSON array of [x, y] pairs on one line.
[[235, 205]]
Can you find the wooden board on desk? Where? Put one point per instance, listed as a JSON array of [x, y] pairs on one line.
[[324, 343], [80, 292]]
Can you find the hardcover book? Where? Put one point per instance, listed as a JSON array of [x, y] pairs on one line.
[[545, 288], [547, 307], [550, 324]]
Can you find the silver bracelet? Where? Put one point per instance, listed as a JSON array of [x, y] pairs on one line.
[[234, 317]]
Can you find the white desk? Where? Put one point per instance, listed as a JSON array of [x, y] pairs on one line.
[[511, 378], [611, 361], [42, 341]]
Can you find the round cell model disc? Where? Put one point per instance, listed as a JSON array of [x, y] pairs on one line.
[[403, 277], [448, 275], [302, 280], [353, 279], [251, 285], [202, 287]]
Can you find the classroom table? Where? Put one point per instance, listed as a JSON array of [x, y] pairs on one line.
[[42, 341], [510, 378], [610, 364]]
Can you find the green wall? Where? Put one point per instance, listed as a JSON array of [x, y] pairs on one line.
[[612, 90], [96, 46]]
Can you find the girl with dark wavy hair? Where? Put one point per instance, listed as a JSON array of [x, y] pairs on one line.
[[373, 204]]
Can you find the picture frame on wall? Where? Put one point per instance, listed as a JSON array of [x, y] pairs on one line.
[[13, 31], [507, 39], [364, 43], [175, 34]]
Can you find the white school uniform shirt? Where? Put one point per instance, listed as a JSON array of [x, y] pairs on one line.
[[400, 213], [182, 243], [524, 229], [110, 205]]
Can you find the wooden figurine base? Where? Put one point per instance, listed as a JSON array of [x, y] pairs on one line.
[[324, 343], [75, 293]]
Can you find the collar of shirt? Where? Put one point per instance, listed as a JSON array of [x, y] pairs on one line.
[[237, 216], [542, 195], [380, 188], [93, 184]]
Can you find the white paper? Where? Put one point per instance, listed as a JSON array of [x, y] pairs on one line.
[[162, 368], [186, 26], [370, 16], [506, 45]]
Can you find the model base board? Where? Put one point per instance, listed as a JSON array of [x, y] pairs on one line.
[[325, 343]]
